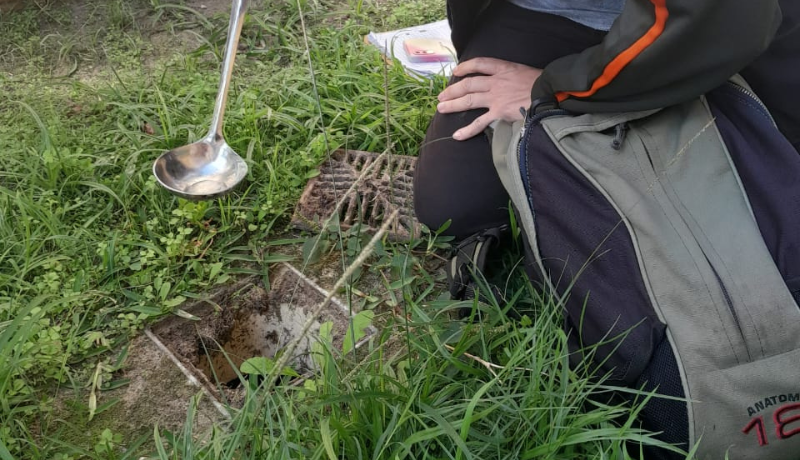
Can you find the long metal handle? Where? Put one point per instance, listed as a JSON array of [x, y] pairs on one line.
[[234, 31]]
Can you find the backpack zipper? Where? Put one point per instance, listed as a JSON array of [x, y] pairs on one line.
[[753, 97], [524, 135]]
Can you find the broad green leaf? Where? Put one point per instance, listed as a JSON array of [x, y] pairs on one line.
[[215, 269], [357, 329], [261, 365], [314, 248], [327, 439], [172, 303], [163, 292], [150, 311]]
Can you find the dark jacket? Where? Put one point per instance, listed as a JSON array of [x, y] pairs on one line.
[[658, 53]]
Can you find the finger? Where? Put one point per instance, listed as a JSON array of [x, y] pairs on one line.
[[474, 128], [466, 86], [484, 65], [467, 102]]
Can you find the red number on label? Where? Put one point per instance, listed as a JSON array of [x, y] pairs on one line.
[[781, 421], [758, 424]]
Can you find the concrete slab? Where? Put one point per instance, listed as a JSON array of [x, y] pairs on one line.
[[158, 392]]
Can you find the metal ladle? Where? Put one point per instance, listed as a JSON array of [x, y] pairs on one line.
[[208, 168]]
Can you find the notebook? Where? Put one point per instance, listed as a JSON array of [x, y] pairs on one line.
[[391, 45]]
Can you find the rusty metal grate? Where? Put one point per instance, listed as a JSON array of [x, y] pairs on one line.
[[387, 186]]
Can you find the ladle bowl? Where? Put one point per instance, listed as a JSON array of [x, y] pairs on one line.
[[201, 171], [208, 168]]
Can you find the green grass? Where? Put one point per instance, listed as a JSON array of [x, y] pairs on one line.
[[438, 401], [92, 250]]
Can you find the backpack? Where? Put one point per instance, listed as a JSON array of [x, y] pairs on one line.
[[672, 239]]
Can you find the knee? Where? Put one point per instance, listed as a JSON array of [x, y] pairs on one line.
[[452, 189], [430, 205], [455, 181]]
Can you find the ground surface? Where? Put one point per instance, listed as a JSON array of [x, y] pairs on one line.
[[73, 52], [92, 251]]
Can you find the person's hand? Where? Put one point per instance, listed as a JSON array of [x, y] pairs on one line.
[[504, 89]]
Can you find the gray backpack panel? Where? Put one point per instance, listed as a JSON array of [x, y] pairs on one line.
[[732, 323]]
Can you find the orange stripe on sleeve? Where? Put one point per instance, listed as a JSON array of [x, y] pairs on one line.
[[623, 59]]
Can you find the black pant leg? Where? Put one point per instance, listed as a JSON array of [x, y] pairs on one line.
[[457, 181]]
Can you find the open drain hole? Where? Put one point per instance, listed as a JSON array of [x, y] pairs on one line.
[[256, 380], [254, 332], [244, 321]]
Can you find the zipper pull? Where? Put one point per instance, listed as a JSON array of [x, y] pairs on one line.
[[620, 131]]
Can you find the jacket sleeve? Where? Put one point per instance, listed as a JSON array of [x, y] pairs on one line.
[[660, 53]]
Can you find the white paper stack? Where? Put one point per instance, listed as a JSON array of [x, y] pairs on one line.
[[391, 45]]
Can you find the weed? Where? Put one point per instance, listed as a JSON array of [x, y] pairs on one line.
[[503, 390], [83, 220], [92, 250]]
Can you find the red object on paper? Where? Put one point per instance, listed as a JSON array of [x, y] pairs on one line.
[[428, 50]]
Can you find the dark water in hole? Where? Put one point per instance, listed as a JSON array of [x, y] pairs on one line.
[[234, 384], [237, 383]]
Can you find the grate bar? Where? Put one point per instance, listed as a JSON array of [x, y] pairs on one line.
[[388, 187]]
